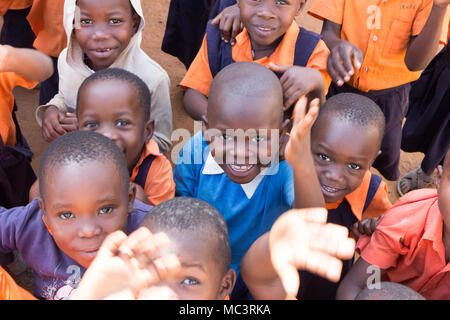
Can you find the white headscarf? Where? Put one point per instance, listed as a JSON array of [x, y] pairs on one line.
[[73, 71]]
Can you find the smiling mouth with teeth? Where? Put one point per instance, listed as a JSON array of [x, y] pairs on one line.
[[241, 168], [330, 189]]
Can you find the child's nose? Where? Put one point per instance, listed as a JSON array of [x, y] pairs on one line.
[[334, 173], [88, 230], [265, 10], [100, 33], [109, 133]]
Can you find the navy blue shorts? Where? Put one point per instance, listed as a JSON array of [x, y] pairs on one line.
[[394, 103]]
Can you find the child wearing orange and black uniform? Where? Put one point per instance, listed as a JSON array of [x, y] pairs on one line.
[[377, 49], [270, 37]]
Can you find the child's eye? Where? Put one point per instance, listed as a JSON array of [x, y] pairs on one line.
[[258, 139], [91, 125], [121, 123], [190, 282], [354, 166], [282, 2], [67, 215], [106, 210], [115, 21], [86, 21], [226, 137], [323, 157]]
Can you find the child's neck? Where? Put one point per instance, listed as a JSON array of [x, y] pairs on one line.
[[259, 51]]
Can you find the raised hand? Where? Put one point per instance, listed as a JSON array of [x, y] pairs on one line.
[[301, 239], [344, 59]]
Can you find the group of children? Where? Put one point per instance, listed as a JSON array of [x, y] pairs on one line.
[[261, 202]]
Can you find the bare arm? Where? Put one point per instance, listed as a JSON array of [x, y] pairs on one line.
[[344, 57], [416, 57], [299, 239], [195, 104], [30, 63], [356, 280]]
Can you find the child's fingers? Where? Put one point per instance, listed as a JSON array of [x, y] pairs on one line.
[[236, 29], [111, 244], [323, 265], [167, 266], [130, 245], [357, 58], [149, 248], [278, 68], [217, 19], [333, 73], [346, 56], [225, 28], [289, 278]]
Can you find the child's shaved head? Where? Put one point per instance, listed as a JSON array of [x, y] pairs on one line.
[[189, 214], [245, 80], [355, 109], [141, 89], [389, 291], [81, 147]]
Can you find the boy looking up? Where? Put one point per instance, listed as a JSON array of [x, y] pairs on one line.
[[233, 164], [85, 194], [377, 48], [410, 245]]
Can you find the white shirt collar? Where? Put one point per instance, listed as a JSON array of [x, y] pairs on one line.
[[212, 168]]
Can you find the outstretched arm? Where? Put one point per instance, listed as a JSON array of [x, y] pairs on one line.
[[298, 153], [423, 47], [299, 239], [356, 280], [30, 63]]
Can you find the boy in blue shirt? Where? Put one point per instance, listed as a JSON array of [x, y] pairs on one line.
[[233, 164]]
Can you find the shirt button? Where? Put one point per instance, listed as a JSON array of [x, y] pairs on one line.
[[375, 38], [366, 69]]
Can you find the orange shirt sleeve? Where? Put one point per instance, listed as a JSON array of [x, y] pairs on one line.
[[386, 244], [318, 60], [160, 185], [421, 17], [8, 81], [332, 10], [380, 203], [198, 76], [9, 290]]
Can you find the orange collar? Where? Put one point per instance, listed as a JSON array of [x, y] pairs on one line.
[[283, 54], [151, 148], [356, 199]]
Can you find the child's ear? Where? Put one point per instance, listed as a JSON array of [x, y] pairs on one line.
[[149, 127], [438, 177], [301, 7], [227, 285], [136, 21], [131, 197], [205, 125]]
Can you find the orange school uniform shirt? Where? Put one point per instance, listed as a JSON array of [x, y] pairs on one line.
[[408, 244], [381, 29], [8, 81], [46, 21], [159, 185], [199, 75], [9, 290], [379, 205]]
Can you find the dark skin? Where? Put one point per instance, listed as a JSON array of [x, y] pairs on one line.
[[105, 30], [246, 113], [80, 214], [266, 22], [356, 280], [345, 57], [124, 121]]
